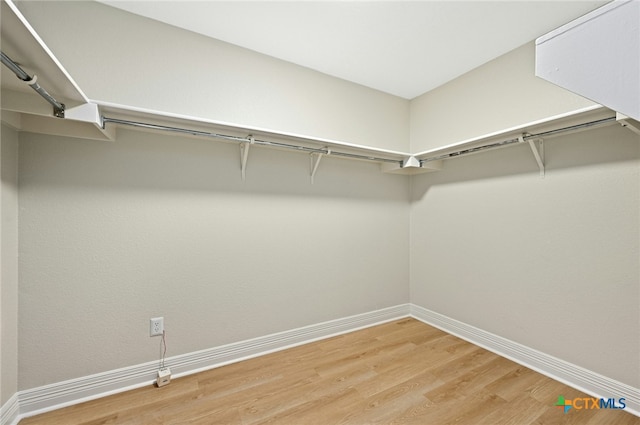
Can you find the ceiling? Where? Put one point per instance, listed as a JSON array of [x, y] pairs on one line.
[[404, 48]]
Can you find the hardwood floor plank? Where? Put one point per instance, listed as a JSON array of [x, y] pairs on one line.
[[515, 383], [357, 356], [401, 372], [521, 409], [548, 391], [382, 407], [274, 401], [458, 366], [471, 382], [473, 409]]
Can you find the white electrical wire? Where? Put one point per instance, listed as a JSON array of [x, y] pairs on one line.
[[163, 349]]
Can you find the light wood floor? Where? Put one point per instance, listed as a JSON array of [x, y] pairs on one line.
[[402, 372]]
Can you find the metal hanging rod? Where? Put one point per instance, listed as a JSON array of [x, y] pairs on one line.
[[58, 108], [250, 140], [524, 138]]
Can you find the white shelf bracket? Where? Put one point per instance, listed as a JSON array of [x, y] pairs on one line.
[[87, 112], [628, 123], [538, 152], [244, 155], [314, 162]]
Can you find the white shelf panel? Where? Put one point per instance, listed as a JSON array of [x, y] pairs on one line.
[[22, 44], [22, 108], [580, 116], [133, 113], [597, 56]]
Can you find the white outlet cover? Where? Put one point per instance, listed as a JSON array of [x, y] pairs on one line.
[[156, 326]]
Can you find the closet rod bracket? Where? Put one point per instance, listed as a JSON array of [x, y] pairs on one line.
[[244, 155], [58, 107], [537, 148], [59, 112], [314, 161]]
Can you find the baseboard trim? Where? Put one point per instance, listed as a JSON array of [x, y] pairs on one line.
[[9, 411], [560, 370], [50, 397], [54, 396]]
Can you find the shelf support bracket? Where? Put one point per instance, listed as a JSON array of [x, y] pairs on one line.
[[538, 152], [314, 162], [628, 123], [244, 155]]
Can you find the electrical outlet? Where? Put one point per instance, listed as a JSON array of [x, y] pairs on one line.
[[164, 377], [156, 326]]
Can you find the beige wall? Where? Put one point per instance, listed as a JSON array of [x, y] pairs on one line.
[[127, 59], [112, 234], [498, 95], [550, 263], [8, 264]]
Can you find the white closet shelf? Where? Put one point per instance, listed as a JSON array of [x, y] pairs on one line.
[[23, 109], [208, 128], [628, 122], [597, 56], [573, 121]]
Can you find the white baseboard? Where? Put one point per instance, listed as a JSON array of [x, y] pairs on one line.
[[54, 396], [575, 376], [9, 411], [50, 397]]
